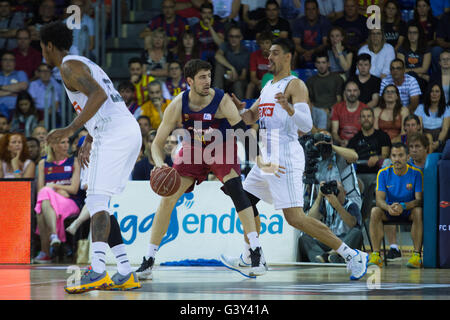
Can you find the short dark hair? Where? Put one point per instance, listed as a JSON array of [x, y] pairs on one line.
[[34, 139], [367, 109], [23, 30], [364, 57], [400, 145], [8, 52], [134, 60], [397, 60], [206, 5], [321, 54], [265, 35], [411, 116], [192, 67], [58, 34], [312, 1], [144, 117], [286, 44], [419, 137], [272, 2], [126, 84]]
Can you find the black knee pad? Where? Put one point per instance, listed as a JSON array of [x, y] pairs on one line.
[[254, 201], [115, 236], [234, 189]]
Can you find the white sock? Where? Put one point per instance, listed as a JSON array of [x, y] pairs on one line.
[[123, 264], [394, 246], [346, 252], [246, 253], [99, 256], [151, 251], [53, 236], [253, 239]]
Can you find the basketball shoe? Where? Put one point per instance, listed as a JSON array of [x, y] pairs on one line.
[[124, 283], [251, 266], [90, 280], [358, 265], [415, 261], [144, 272]]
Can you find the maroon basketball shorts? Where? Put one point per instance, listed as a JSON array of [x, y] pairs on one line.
[[197, 162]]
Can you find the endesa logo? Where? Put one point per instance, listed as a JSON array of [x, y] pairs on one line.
[[193, 223]]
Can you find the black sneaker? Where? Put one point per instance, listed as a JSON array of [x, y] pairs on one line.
[[393, 254], [257, 268], [145, 270]]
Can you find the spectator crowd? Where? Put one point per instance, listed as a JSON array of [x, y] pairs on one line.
[[380, 94]]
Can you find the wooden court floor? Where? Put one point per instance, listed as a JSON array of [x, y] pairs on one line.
[[293, 282]]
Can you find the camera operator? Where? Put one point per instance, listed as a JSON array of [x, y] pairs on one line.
[[336, 164], [341, 215]]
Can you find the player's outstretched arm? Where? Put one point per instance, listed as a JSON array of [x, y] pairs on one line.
[[251, 115], [77, 77], [171, 117]]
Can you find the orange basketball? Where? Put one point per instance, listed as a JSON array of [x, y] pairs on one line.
[[165, 181]]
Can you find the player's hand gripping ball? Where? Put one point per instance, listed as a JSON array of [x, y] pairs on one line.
[[165, 181]]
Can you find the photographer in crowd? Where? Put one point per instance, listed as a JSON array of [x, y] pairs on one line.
[[326, 162], [341, 215]]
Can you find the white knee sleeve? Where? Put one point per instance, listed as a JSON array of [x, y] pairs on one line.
[[96, 203]]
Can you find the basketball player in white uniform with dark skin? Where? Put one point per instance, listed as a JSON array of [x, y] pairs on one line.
[[282, 109], [110, 150]]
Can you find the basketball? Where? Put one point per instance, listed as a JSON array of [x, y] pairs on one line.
[[165, 181]]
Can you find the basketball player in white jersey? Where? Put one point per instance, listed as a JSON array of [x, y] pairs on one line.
[[110, 150], [282, 110]]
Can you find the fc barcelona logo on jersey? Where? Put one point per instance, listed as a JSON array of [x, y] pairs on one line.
[[409, 186]]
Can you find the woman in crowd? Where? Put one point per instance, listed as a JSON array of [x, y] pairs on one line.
[[416, 55], [155, 55], [390, 113], [381, 53], [429, 23], [25, 116], [434, 115], [393, 25], [187, 48], [14, 157], [339, 55], [58, 185]]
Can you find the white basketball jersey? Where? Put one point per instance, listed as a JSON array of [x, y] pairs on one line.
[[276, 126], [113, 107]]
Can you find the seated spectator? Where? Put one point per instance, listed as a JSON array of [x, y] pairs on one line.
[[331, 9], [390, 113], [253, 11], [34, 149], [143, 168], [419, 147], [407, 85], [382, 53], [28, 59], [128, 93], [170, 147], [11, 82], [434, 114], [411, 124], [155, 107], [325, 89], [345, 115], [273, 22], [144, 125], [372, 146], [187, 49], [173, 24], [394, 202], [10, 22], [209, 32], [45, 90], [443, 75], [140, 80], [232, 61], [339, 55], [342, 216], [25, 116], [40, 133], [176, 82], [393, 25], [337, 164], [154, 56], [353, 24], [46, 14], [416, 55], [442, 40], [259, 64], [189, 9], [14, 157], [4, 126], [424, 17], [369, 85], [84, 37], [310, 33], [58, 184]]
